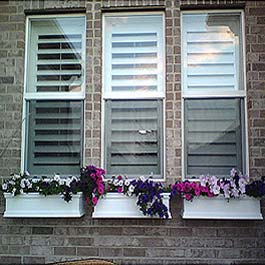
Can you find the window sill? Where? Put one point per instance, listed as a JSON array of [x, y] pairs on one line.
[[34, 205], [118, 205], [246, 208]]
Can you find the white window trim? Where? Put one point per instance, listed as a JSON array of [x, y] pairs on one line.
[[233, 94], [52, 96], [161, 94]]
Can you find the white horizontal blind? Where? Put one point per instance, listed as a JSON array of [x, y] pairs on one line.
[[133, 137], [55, 137], [133, 55], [211, 52], [57, 55], [213, 135], [59, 63]]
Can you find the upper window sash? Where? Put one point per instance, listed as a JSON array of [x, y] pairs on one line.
[[212, 53], [55, 59], [133, 55]]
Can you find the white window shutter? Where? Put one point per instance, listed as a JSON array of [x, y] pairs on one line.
[[211, 53], [133, 55]]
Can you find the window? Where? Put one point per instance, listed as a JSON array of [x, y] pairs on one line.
[[54, 95], [213, 93], [133, 94]]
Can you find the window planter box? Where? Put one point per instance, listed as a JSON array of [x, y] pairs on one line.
[[36, 205], [118, 205], [246, 208]]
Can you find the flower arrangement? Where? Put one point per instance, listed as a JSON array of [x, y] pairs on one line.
[[149, 197], [188, 190], [148, 193], [234, 187], [120, 184], [23, 183], [92, 183]]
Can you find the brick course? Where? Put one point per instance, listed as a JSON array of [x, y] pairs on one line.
[[176, 241]]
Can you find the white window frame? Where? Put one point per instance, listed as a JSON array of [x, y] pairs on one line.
[[49, 95], [160, 94], [212, 94]]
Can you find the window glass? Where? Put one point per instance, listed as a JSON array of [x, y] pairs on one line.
[[56, 55], [213, 134], [54, 136], [133, 94], [133, 55], [133, 137], [213, 52], [53, 122], [213, 93]]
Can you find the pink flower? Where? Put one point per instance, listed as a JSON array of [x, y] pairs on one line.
[[99, 181], [204, 189], [101, 189], [93, 176], [119, 177], [194, 185], [188, 197], [209, 194], [197, 191], [120, 190], [94, 200], [187, 186], [179, 187]]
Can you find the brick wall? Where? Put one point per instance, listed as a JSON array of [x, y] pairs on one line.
[[176, 241]]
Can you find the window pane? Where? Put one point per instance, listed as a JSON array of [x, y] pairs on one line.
[[54, 137], [133, 54], [213, 136], [212, 52], [133, 137], [56, 55]]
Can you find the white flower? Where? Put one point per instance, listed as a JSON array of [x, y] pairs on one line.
[[116, 182], [57, 177], [120, 183], [142, 178], [203, 180], [61, 181], [11, 182], [35, 180], [27, 173], [213, 180], [68, 182], [235, 193], [129, 193], [17, 176], [215, 189], [13, 191], [127, 182], [29, 185], [73, 178], [22, 184], [21, 191], [131, 188], [4, 186]]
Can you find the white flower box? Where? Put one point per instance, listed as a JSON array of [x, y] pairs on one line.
[[246, 208], [118, 205], [36, 205]]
